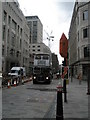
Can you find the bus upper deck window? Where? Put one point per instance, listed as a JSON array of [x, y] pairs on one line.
[[38, 57]]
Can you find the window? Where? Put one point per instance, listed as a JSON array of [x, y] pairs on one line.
[[78, 53], [85, 32], [8, 36], [4, 32], [37, 57], [78, 35], [9, 19], [3, 50], [13, 24], [38, 49], [87, 51], [85, 15], [45, 57], [18, 29], [5, 16], [13, 37], [34, 23], [20, 43], [21, 31]]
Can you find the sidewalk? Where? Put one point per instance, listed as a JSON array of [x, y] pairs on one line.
[[76, 107]]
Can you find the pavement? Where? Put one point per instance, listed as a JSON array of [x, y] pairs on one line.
[[77, 106]]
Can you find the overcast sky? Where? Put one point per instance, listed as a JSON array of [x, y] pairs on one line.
[[55, 16]]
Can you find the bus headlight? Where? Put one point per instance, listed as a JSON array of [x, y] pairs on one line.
[[34, 77], [47, 78]]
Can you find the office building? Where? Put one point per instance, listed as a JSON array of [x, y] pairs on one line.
[[15, 37], [36, 29], [79, 40]]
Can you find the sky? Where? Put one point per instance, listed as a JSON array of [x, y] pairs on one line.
[[55, 16]]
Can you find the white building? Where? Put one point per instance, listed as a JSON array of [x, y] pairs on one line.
[[15, 37], [79, 39]]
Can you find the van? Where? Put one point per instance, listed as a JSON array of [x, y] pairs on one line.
[[17, 71]]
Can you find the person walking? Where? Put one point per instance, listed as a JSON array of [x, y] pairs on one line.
[[80, 78]]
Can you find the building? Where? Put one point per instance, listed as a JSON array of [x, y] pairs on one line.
[[55, 63], [36, 44], [79, 40], [34, 49], [36, 29], [38, 48], [1, 52], [15, 37]]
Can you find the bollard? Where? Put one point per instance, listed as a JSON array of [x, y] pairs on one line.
[[88, 81], [9, 86], [65, 91], [59, 109]]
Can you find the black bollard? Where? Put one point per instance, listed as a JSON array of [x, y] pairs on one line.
[[65, 91], [88, 81], [59, 110]]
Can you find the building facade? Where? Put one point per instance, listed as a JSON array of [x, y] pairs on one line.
[[36, 29], [55, 63], [79, 40], [15, 37], [1, 55], [36, 44], [39, 48]]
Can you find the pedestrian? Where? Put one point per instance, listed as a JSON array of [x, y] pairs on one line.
[[80, 78]]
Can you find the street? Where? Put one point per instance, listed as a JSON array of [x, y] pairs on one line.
[[39, 101], [29, 100]]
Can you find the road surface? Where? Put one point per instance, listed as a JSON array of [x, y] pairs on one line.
[[29, 100]]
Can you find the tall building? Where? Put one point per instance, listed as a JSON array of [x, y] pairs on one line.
[[15, 37], [79, 40], [36, 44], [36, 29]]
